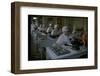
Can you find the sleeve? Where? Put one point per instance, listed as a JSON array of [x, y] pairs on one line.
[[60, 40]]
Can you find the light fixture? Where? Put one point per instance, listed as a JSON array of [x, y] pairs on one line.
[[34, 18]]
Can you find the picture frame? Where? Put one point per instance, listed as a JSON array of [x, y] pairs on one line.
[[19, 18]]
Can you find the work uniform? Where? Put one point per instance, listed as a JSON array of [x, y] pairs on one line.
[[63, 40]]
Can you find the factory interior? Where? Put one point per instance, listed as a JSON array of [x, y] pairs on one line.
[[44, 34]]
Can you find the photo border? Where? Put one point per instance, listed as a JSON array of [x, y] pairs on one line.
[[15, 36]]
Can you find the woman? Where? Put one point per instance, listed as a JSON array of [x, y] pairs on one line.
[[64, 38]]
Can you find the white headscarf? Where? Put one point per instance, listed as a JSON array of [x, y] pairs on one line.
[[65, 28]]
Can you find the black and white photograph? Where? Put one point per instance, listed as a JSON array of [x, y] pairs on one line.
[[53, 37], [57, 37]]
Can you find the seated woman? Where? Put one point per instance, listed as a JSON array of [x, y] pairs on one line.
[[42, 28], [64, 38], [49, 29], [55, 32], [79, 39]]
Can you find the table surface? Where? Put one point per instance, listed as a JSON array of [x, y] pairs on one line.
[[72, 54]]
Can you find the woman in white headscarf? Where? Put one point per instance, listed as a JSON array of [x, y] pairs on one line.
[[55, 32], [64, 38]]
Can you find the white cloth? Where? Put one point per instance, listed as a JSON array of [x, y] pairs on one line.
[[63, 39]]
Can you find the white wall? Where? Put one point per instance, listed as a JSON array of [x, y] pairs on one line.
[[5, 42]]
